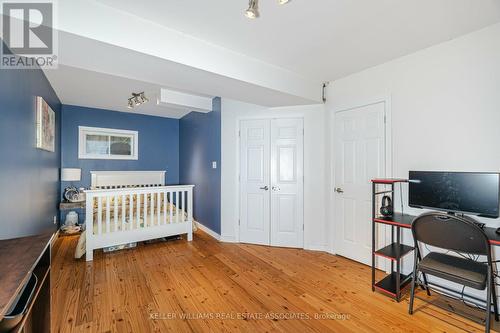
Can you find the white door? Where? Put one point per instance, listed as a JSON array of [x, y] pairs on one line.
[[271, 182], [255, 181], [287, 182], [359, 152]]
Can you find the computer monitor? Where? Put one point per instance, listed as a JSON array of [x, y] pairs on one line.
[[473, 193]]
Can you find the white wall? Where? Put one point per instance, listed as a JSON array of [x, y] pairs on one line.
[[316, 229], [445, 103]]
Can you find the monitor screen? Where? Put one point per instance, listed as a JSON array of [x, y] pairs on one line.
[[460, 192]]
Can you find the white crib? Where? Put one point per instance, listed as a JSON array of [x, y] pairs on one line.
[[133, 206]]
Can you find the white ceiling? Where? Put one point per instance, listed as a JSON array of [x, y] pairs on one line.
[[320, 39], [111, 48]]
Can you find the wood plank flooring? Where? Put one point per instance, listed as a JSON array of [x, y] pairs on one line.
[[207, 286]]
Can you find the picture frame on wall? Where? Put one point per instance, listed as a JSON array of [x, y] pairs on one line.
[[45, 126]]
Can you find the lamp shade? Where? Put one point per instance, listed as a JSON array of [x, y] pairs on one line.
[[71, 174]]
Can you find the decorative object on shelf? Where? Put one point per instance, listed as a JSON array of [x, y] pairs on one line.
[[71, 219], [137, 99], [71, 224], [45, 126], [71, 193], [253, 8], [386, 206]]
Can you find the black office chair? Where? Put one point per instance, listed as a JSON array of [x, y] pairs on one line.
[[457, 234]]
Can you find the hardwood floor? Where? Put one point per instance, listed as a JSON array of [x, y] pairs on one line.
[[227, 288]]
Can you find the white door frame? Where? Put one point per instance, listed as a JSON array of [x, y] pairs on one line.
[[238, 153], [388, 152]]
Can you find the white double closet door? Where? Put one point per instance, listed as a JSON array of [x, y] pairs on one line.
[[272, 182]]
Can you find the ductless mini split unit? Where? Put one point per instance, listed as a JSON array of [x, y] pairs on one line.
[[184, 101]]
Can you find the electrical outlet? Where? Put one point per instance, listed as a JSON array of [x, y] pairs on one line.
[[214, 164], [54, 219]]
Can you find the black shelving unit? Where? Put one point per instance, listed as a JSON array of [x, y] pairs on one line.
[[395, 282]]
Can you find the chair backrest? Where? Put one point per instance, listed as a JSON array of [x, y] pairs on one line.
[[450, 232]]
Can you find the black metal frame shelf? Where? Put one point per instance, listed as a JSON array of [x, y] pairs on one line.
[[393, 251], [397, 219], [393, 283], [388, 284]]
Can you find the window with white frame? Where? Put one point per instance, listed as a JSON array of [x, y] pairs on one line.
[[107, 143]]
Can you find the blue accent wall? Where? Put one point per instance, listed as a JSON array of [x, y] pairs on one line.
[[158, 142], [200, 144], [29, 177]]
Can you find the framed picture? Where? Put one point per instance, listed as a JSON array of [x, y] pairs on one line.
[[45, 126]]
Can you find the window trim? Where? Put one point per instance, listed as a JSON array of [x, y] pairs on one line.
[[83, 131]]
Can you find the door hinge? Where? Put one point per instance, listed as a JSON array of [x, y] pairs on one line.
[[239, 133], [239, 222], [385, 119]]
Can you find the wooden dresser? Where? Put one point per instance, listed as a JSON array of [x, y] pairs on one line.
[[25, 284]]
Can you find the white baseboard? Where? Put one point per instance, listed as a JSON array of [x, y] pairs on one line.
[[316, 247], [228, 239], [331, 251], [208, 231]]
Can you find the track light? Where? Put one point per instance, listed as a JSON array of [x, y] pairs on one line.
[[137, 99], [253, 9]]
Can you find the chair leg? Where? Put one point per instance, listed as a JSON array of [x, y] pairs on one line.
[[413, 282], [426, 284], [494, 294], [488, 303], [423, 274]]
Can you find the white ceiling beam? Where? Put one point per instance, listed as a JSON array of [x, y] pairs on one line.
[[128, 31], [95, 56]]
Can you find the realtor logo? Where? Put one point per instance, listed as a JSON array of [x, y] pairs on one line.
[[28, 35]]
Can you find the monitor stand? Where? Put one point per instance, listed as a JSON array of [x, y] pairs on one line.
[[472, 220]]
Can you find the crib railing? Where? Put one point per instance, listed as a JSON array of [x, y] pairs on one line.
[[120, 215]]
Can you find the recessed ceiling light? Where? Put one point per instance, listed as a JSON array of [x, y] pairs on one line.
[[282, 2]]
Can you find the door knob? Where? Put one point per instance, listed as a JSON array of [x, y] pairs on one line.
[[265, 188], [276, 188], [338, 190]]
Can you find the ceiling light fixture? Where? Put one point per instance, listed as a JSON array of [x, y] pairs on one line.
[[253, 8], [137, 99]]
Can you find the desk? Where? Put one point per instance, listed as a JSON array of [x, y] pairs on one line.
[[405, 220], [394, 283], [20, 258]]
